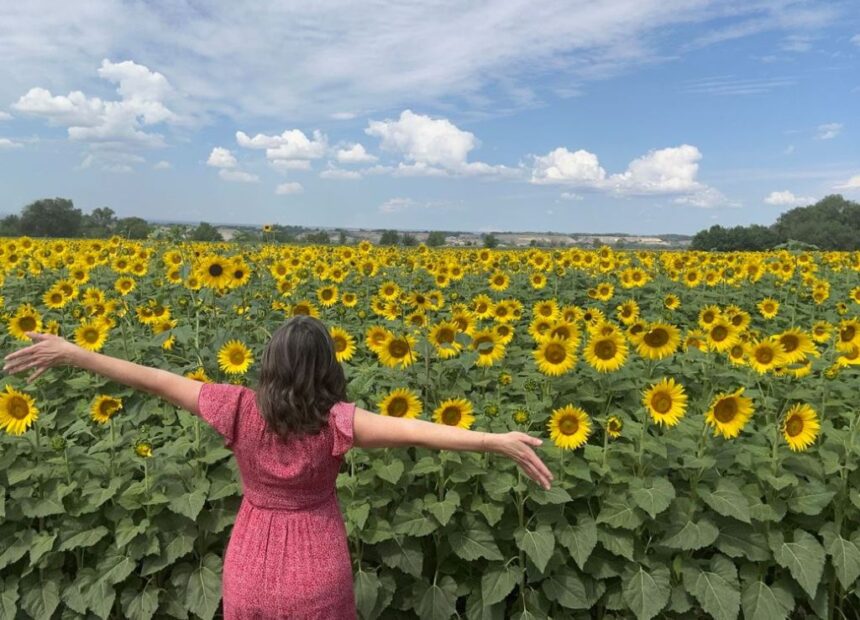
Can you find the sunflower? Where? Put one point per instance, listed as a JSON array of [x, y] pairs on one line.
[[344, 344], [768, 307], [504, 332], [401, 403], [124, 285], [671, 302], [606, 353], [499, 281], [737, 354], [797, 345], [304, 307], [555, 356], [707, 315], [800, 426], [214, 272], [721, 335], [489, 347], [659, 340], [454, 412], [104, 407], [143, 449], [729, 412], [267, 228], [375, 337], [614, 425], [766, 355], [91, 335], [349, 299], [822, 331], [482, 306], [389, 290], [628, 312], [235, 357], [546, 309], [199, 375], [17, 411], [327, 295], [54, 298], [443, 337], [849, 334], [569, 427], [25, 319], [397, 351], [665, 401]]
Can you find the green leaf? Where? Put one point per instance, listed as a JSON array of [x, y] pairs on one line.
[[716, 589], [620, 543], [652, 495], [444, 510], [567, 588], [439, 600], [804, 558], [403, 553], [740, 541], [760, 602], [189, 504], [728, 500], [87, 538], [15, 551], [498, 582], [366, 592], [620, 514], [126, 530], [203, 588], [41, 601], [810, 498], [555, 495], [178, 543], [411, 521], [692, 535], [142, 604], [115, 567], [845, 557], [99, 597], [579, 539], [492, 512], [9, 597], [42, 543], [474, 540], [389, 472], [498, 485], [425, 465], [538, 544], [646, 593]]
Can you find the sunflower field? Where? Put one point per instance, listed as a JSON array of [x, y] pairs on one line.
[[699, 411]]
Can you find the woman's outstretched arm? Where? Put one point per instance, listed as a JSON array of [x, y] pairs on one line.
[[372, 430], [49, 350]]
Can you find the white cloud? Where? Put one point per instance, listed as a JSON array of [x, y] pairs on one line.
[[289, 188], [221, 158], [6, 143], [339, 173], [828, 131], [162, 165], [285, 165], [571, 196], [432, 147], [355, 154], [120, 123], [852, 183], [291, 144], [343, 116], [663, 171], [396, 205], [5, 116], [787, 198], [563, 166], [237, 176]]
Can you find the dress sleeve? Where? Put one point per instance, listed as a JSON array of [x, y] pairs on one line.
[[341, 418], [219, 405]]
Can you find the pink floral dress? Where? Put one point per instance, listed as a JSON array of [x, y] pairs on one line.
[[288, 555]]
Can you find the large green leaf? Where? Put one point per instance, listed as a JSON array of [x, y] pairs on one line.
[[567, 588], [404, 553], [411, 521], [619, 513], [190, 503], [203, 587], [438, 602], [41, 601], [445, 509], [716, 588], [474, 540], [810, 498], [366, 592], [737, 540], [538, 544], [804, 558], [497, 582], [140, 604], [40, 545], [653, 495], [87, 538], [646, 592], [761, 602], [390, 472], [9, 597], [579, 539], [728, 500], [692, 535], [845, 557]]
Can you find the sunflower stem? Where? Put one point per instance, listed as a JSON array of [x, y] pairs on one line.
[[112, 448]]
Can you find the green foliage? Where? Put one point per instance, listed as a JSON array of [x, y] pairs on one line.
[[205, 232], [389, 237], [435, 239], [51, 217], [490, 240]]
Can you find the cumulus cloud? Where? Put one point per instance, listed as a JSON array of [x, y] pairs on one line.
[[786, 199], [285, 165], [162, 165], [119, 122], [237, 176], [221, 158], [663, 171], [339, 173], [563, 166], [5, 116], [828, 131], [355, 154], [289, 188], [6, 143], [430, 147], [291, 144], [852, 183]]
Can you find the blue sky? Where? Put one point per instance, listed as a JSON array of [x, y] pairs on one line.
[[646, 116]]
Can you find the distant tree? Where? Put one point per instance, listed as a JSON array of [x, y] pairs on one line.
[[436, 239], [51, 217], [490, 240], [133, 228], [10, 226], [99, 223], [206, 232], [319, 238], [341, 238], [244, 235], [389, 237], [408, 240], [833, 223]]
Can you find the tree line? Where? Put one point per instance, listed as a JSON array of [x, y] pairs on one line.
[[832, 223]]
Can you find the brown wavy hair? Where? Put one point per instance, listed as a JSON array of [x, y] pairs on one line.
[[300, 378]]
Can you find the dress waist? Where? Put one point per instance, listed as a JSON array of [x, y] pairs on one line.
[[290, 504]]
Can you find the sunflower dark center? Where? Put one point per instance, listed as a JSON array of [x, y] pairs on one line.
[[661, 403], [27, 323], [215, 270], [445, 335], [764, 356], [237, 357], [789, 342], [339, 344], [555, 353], [398, 407], [18, 408], [847, 333], [91, 335], [794, 426], [568, 425], [656, 338], [726, 410], [719, 333], [605, 349], [451, 415], [398, 348]]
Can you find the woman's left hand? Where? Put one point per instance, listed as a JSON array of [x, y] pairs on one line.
[[49, 350]]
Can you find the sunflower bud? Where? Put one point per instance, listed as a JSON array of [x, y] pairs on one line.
[[58, 444]]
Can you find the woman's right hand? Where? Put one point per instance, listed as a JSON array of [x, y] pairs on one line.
[[519, 448]]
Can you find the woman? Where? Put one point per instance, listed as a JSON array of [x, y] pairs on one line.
[[287, 556]]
